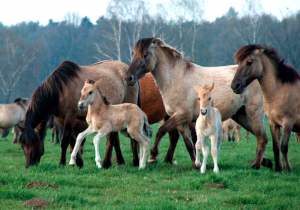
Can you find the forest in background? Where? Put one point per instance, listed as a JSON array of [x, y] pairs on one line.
[[29, 52]]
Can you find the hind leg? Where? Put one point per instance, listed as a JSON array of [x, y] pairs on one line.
[[275, 131], [286, 133]]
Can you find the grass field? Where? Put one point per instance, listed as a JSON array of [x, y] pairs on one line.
[[160, 186]]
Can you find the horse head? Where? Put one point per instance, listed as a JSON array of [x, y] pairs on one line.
[[32, 145], [249, 67], [204, 97], [143, 59], [88, 93]]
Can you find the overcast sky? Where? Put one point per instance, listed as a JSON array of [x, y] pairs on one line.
[[16, 11]]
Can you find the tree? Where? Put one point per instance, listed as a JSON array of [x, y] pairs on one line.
[[16, 56]]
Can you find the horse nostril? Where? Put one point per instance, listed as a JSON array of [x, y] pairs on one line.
[[237, 86], [130, 78]]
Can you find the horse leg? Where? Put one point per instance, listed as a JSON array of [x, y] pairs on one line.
[[170, 124], [134, 148], [286, 133], [79, 140], [225, 134], [173, 137], [233, 134], [186, 134], [198, 148], [247, 136], [275, 132], [205, 151], [239, 135], [214, 151], [16, 136], [253, 122], [52, 134]]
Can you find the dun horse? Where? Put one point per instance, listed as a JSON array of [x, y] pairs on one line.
[[208, 124], [104, 118], [280, 84], [229, 126], [175, 76], [59, 95], [13, 114]]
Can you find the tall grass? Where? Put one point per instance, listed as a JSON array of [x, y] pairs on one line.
[[159, 186]]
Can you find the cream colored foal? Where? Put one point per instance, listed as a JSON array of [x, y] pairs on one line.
[[104, 118], [208, 124]]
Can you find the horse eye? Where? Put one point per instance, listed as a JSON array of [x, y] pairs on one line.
[[199, 99], [209, 98], [90, 92], [145, 56], [249, 63]]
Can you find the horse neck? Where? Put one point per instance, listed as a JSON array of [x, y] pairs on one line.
[[166, 70], [268, 81]]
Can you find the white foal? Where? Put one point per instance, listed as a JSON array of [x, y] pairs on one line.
[[104, 118], [208, 124]]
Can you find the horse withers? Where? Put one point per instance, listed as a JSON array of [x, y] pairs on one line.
[[208, 125], [104, 118], [280, 84]]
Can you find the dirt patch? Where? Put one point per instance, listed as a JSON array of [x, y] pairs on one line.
[[250, 161], [221, 186], [1, 184], [36, 203], [40, 184]]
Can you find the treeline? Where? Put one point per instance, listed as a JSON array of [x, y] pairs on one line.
[[29, 52]]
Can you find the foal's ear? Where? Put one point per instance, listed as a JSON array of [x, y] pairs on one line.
[[98, 82], [198, 89], [210, 87]]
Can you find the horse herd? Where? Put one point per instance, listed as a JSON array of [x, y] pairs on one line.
[[161, 83]]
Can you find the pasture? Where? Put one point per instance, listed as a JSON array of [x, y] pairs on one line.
[[160, 186]]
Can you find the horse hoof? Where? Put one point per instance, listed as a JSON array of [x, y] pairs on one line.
[[71, 165], [106, 164], [267, 163], [152, 161]]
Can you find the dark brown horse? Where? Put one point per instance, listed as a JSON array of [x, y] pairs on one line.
[[280, 84], [59, 95], [176, 76]]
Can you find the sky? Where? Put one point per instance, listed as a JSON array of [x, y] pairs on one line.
[[17, 11]]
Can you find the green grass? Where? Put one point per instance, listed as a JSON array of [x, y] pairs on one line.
[[160, 186]]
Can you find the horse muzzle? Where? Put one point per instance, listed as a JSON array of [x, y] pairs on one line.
[[237, 87], [81, 105], [130, 80], [203, 111]]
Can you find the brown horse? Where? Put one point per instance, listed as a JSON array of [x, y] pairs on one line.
[[175, 77], [104, 118], [230, 125], [13, 114], [279, 82], [59, 95]]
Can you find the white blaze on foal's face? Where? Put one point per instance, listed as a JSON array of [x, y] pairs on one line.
[[204, 97]]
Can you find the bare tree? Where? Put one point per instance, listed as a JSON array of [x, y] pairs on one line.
[[15, 57]]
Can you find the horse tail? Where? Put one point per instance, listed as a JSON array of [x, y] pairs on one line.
[[139, 102], [147, 128]]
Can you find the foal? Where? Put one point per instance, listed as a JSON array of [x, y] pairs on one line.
[[104, 118], [208, 124]]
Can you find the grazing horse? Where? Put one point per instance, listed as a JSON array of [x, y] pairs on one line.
[[279, 82], [230, 125], [175, 76], [208, 124], [13, 114], [104, 118], [59, 95]]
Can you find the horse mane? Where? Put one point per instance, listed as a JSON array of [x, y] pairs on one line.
[[106, 102], [286, 73], [46, 96], [142, 45]]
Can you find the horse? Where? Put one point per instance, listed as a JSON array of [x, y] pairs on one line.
[[152, 105], [104, 118], [208, 124], [279, 82], [13, 114], [230, 125], [175, 76], [59, 94], [57, 131]]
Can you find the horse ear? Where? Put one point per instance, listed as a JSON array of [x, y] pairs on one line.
[[211, 87], [198, 89], [98, 82], [260, 51], [20, 128]]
